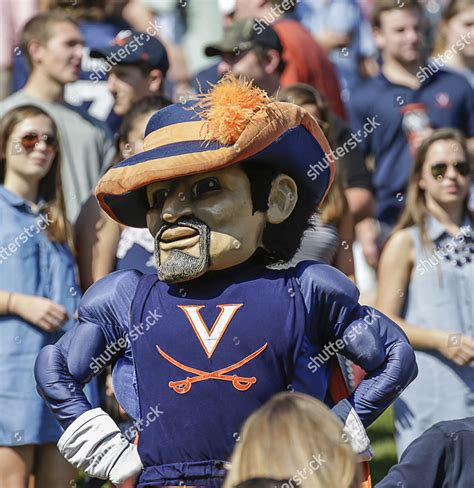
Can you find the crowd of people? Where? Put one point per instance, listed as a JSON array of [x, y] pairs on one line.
[[391, 84]]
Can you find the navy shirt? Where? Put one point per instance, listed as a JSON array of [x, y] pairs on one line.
[[440, 458], [449, 102], [203, 78]]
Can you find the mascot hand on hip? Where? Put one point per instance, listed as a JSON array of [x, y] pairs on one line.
[[222, 184]]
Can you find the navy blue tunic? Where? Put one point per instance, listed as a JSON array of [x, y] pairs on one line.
[[204, 354]]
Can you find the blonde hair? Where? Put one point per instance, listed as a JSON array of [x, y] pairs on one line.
[[289, 433], [453, 8]]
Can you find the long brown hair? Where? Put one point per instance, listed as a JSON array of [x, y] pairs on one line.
[[415, 210], [50, 187], [335, 205], [284, 436]]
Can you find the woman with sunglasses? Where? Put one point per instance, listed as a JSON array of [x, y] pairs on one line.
[[38, 294], [426, 282]]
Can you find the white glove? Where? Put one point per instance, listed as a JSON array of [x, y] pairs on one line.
[[353, 430], [357, 437], [94, 443]]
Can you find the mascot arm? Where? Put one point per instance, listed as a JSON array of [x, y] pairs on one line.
[[363, 335], [92, 441]]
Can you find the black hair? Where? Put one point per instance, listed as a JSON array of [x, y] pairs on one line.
[[280, 241]]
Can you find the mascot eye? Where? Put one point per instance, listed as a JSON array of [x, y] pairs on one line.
[[204, 186], [159, 198]]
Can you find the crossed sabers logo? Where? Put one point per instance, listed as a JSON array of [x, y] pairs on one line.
[[209, 340]]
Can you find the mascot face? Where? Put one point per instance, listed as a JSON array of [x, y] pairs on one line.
[[206, 221], [203, 222]]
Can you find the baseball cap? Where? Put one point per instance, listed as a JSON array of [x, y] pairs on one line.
[[245, 34], [132, 47]]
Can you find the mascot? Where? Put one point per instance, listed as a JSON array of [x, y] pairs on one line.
[[223, 187]]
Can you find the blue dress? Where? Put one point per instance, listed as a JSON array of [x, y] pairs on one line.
[[32, 265], [440, 296]]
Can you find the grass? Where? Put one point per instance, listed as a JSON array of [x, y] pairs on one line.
[[383, 444]]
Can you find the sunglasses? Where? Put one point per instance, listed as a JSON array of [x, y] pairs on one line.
[[439, 170], [29, 141]]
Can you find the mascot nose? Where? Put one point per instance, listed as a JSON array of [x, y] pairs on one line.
[[177, 204]]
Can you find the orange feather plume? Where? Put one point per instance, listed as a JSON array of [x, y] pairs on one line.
[[229, 107]]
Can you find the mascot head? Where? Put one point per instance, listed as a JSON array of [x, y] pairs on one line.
[[221, 176]]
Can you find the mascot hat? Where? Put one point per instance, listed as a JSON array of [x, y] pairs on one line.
[[235, 122]]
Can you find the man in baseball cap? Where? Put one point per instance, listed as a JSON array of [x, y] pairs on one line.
[[248, 50], [137, 64]]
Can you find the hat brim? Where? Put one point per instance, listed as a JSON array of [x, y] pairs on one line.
[[290, 140], [131, 58], [99, 53], [214, 50], [220, 49]]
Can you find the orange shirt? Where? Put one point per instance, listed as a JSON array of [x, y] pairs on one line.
[[307, 62]]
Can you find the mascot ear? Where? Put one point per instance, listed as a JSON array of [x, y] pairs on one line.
[[282, 199]]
